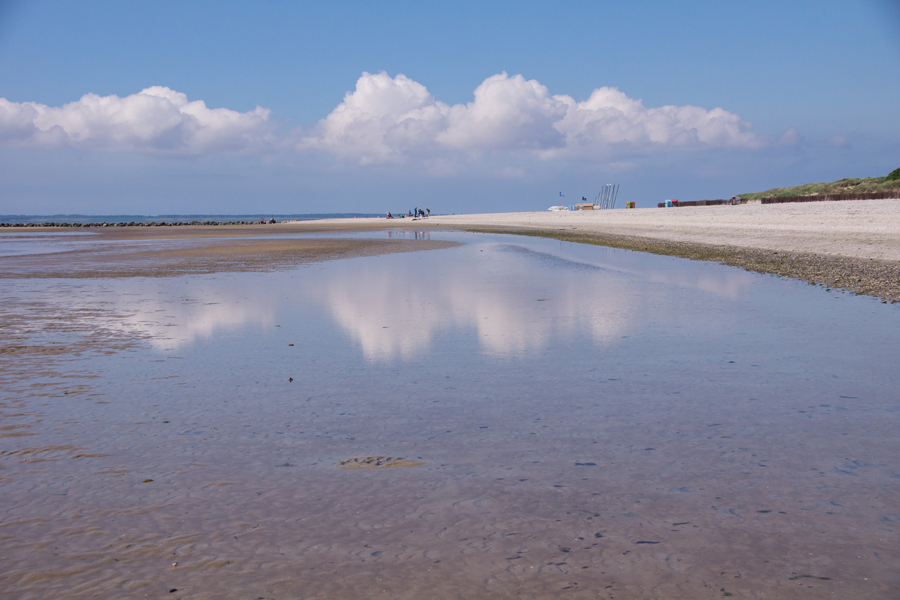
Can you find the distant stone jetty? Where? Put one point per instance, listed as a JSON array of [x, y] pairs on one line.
[[130, 224]]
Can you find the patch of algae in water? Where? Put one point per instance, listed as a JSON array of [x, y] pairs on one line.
[[378, 462]]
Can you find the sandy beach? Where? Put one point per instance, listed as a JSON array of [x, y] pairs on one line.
[[862, 229]]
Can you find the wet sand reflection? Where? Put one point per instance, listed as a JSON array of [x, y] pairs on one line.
[[589, 427]]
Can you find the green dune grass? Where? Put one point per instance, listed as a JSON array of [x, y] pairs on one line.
[[844, 186]]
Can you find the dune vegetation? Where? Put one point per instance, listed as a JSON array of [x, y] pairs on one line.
[[843, 186]]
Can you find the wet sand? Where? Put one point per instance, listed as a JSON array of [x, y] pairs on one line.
[[166, 252], [139, 480]]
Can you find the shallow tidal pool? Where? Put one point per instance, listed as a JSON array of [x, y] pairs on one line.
[[556, 421]]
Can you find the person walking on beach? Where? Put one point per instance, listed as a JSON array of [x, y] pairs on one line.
[[428, 210]]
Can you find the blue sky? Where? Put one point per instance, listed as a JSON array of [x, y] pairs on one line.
[[244, 107]]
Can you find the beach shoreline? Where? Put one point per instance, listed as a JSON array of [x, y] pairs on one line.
[[867, 277], [853, 245]]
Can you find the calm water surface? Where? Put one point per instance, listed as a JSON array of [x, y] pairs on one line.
[[595, 423]]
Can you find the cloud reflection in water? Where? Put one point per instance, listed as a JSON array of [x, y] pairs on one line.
[[176, 312], [513, 299], [514, 295]]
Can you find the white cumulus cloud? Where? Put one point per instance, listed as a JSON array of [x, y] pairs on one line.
[[609, 117], [508, 113], [156, 119], [386, 120], [383, 120], [395, 119]]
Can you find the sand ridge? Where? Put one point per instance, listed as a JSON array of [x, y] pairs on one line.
[[152, 252]]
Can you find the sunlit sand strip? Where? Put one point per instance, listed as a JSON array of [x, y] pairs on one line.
[[856, 229]]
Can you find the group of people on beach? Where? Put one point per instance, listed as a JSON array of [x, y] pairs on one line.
[[414, 213]]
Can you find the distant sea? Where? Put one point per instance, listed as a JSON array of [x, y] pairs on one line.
[[36, 219]]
